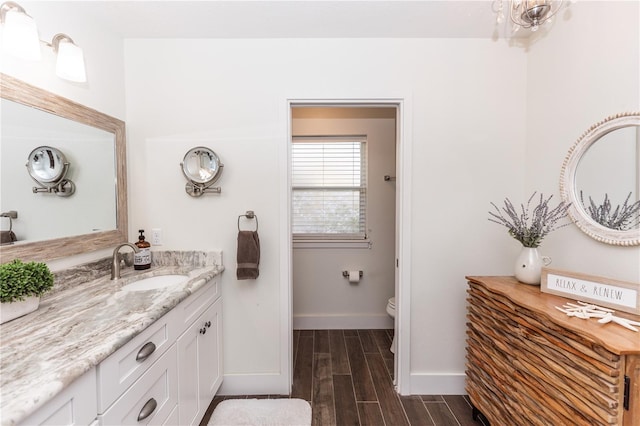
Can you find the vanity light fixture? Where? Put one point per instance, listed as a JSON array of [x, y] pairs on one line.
[[70, 60], [528, 13], [19, 32], [20, 39]]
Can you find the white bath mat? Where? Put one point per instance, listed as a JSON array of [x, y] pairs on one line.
[[262, 412]]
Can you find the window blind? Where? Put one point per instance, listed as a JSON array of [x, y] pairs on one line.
[[329, 188]]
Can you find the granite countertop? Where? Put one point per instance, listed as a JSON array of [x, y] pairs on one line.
[[83, 320]]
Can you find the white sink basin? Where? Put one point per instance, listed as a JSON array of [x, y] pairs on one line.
[[154, 283]]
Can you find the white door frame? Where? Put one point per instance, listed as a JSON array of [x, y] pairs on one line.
[[403, 235]]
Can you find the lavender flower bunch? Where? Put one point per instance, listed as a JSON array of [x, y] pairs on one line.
[[530, 226], [622, 218]]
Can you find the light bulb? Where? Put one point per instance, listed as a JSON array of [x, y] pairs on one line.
[[20, 35], [70, 62]]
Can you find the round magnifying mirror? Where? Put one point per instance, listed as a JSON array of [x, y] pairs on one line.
[[47, 165], [201, 166]]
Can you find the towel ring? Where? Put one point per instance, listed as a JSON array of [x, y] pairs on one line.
[[249, 215], [12, 214]]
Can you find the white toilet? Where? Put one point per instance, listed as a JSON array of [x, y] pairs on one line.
[[391, 310]]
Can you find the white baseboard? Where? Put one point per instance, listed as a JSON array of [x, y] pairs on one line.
[[438, 384], [347, 322], [254, 384], [275, 384]]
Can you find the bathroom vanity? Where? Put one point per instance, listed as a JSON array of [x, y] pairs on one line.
[[98, 353], [528, 363]]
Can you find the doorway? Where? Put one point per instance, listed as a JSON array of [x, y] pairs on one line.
[[314, 306]]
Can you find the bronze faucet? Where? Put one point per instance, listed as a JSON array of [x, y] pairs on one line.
[[115, 264]]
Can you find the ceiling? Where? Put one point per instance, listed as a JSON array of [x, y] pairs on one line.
[[294, 19]]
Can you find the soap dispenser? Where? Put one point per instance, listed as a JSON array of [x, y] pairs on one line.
[[142, 259]]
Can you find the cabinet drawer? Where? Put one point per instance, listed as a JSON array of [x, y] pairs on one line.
[[192, 307], [75, 405], [157, 386], [127, 364]]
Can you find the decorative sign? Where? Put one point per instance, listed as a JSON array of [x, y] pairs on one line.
[[619, 295]]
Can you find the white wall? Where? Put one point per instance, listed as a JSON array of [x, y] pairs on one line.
[[104, 61], [466, 107], [586, 69], [322, 297]]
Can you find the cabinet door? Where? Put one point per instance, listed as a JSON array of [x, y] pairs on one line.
[[200, 361], [210, 359], [632, 413]]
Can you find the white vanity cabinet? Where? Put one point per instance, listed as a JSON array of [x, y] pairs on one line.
[[76, 405], [170, 371]]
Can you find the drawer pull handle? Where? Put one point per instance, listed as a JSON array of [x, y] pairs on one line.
[[145, 351], [147, 409], [203, 330], [208, 324]]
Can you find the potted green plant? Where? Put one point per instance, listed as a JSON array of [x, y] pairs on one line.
[[21, 285]]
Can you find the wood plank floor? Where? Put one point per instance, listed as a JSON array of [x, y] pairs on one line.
[[346, 375]]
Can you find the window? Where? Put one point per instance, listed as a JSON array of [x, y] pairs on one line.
[[329, 187]]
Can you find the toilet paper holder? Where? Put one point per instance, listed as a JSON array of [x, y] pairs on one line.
[[346, 274]]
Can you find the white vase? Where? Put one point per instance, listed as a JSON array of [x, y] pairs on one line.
[[13, 310], [529, 265]]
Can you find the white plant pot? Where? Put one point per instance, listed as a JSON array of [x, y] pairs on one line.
[[13, 310], [528, 267]]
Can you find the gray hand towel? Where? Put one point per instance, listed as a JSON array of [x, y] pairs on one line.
[[248, 256], [7, 237]]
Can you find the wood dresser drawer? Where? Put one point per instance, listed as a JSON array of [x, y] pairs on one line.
[[122, 368], [153, 396], [528, 363]]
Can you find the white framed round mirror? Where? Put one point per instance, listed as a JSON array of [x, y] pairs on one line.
[[600, 177], [201, 167]]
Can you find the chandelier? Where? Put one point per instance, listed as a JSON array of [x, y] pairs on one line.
[[528, 13]]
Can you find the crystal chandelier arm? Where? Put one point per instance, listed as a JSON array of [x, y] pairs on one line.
[[533, 13]]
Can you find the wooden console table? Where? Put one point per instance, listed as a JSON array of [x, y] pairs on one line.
[[530, 364]]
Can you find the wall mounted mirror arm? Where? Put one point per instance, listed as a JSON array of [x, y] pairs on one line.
[[201, 167]]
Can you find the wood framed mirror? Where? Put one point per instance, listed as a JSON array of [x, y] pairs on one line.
[[107, 187]]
